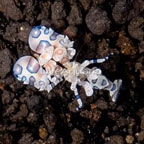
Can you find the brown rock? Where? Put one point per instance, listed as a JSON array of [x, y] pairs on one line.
[[11, 32], [23, 32], [77, 136], [120, 12], [30, 11], [140, 136], [10, 10], [129, 139], [71, 31], [142, 123], [85, 4], [43, 133], [96, 114], [5, 62], [75, 16], [125, 44], [116, 139], [101, 104], [135, 29], [26, 139], [58, 12], [141, 47], [97, 21]]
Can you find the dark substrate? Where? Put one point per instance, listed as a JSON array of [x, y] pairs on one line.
[[97, 27]]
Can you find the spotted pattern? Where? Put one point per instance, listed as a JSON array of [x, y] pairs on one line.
[[94, 81], [32, 80], [61, 42], [95, 87], [103, 82], [114, 87], [53, 36], [23, 78], [77, 96], [46, 31]]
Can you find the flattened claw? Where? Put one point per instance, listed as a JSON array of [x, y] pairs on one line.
[[28, 70]]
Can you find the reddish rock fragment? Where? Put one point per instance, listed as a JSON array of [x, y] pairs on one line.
[[125, 44], [96, 115], [129, 139], [86, 114], [71, 31], [43, 133]]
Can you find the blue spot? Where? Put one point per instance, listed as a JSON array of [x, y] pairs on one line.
[[95, 87], [46, 31], [53, 36], [77, 97], [94, 81], [78, 108], [61, 42], [17, 70], [16, 76], [32, 80], [41, 82], [39, 27], [94, 61], [35, 33], [114, 87], [23, 78], [52, 85], [103, 82]]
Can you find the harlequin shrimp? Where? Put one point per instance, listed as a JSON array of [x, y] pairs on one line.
[[54, 64]]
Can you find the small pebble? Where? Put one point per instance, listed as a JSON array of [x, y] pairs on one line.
[[129, 139], [43, 133]]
